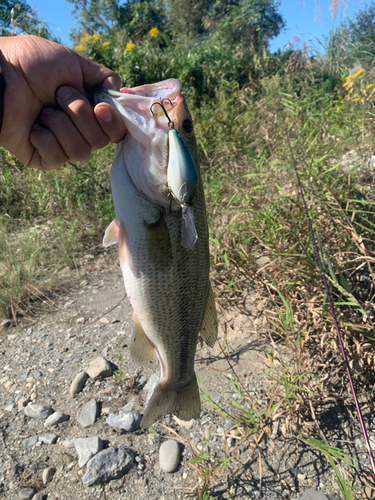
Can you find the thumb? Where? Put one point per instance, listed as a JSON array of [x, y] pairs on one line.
[[96, 74]]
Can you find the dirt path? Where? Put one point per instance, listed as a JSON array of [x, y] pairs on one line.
[[91, 318]]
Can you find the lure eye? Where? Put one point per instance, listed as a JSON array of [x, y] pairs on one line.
[[187, 126]]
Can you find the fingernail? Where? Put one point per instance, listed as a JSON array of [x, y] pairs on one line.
[[47, 111], [112, 82], [36, 127], [104, 114], [63, 93]]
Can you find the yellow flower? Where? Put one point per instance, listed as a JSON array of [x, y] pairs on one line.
[[154, 32], [369, 86], [95, 36], [105, 44], [359, 72], [339, 110], [80, 48], [129, 46], [84, 39], [356, 99]]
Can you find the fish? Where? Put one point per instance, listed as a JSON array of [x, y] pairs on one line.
[[163, 241]]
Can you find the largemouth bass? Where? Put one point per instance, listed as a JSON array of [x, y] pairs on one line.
[[167, 284]]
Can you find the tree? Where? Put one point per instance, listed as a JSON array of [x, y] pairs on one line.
[[359, 34], [17, 17]]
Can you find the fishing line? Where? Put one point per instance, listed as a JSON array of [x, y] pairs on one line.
[[333, 313]]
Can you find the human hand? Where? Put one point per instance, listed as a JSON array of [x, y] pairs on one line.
[[47, 80]]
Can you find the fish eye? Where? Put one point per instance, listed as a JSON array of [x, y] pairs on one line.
[[187, 126]]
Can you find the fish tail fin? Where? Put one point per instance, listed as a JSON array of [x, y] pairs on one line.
[[185, 403]]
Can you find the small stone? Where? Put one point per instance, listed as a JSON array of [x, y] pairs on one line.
[[26, 494], [87, 448], [105, 321], [13, 336], [313, 495], [99, 367], [113, 321], [36, 374], [169, 456], [48, 438], [80, 321], [150, 387], [33, 396], [109, 464], [187, 425], [22, 402], [55, 419], [89, 413], [35, 410], [30, 441], [48, 474], [68, 443], [9, 408], [133, 405], [128, 422], [78, 383]]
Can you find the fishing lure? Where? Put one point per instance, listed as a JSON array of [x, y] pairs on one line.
[[182, 179]]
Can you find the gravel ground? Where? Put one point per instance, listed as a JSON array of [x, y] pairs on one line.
[[40, 357]]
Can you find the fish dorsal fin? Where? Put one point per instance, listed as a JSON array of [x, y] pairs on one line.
[[208, 330], [142, 350], [111, 234]]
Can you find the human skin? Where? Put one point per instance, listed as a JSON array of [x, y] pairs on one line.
[[48, 119]]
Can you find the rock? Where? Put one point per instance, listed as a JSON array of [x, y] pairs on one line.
[[169, 456], [36, 374], [128, 422], [87, 448], [22, 402], [103, 320], [109, 464], [35, 410], [133, 405], [99, 367], [80, 321], [48, 438], [187, 425], [78, 383], [313, 495], [41, 496], [26, 494], [30, 441], [150, 387], [68, 443], [12, 336], [48, 474], [55, 419], [89, 413]]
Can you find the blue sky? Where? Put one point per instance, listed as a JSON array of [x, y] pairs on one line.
[[304, 19]]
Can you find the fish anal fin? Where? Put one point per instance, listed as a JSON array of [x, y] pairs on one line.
[[142, 350], [208, 330], [185, 403], [111, 234]]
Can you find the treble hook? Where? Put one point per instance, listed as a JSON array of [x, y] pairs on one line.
[[161, 104]]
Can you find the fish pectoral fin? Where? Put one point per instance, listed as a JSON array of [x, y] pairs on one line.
[[111, 234], [142, 350], [185, 403], [208, 330]]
